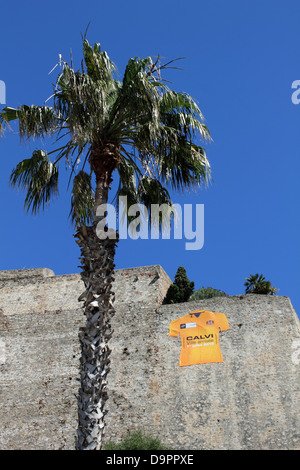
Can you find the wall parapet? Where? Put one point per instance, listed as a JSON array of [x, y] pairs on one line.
[[39, 290]]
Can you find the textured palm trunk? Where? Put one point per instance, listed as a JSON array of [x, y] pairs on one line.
[[97, 258], [97, 274]]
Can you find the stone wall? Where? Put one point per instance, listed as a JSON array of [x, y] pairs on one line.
[[250, 401], [39, 349]]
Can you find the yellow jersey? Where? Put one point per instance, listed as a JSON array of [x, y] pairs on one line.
[[199, 333]]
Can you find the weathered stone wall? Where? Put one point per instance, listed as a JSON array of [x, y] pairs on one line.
[[251, 401], [40, 318]]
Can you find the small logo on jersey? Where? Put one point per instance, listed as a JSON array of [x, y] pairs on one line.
[[188, 325], [210, 322]]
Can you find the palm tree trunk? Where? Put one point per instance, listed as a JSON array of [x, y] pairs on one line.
[[97, 274], [97, 258]]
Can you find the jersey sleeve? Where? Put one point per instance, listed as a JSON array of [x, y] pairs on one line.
[[173, 328], [223, 322]]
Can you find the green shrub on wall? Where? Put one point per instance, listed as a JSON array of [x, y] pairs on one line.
[[136, 441], [206, 293]]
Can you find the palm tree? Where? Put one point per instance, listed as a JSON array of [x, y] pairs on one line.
[[137, 129], [257, 284]]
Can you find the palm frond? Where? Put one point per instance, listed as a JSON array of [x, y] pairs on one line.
[[137, 100], [3, 124], [163, 126], [84, 103], [156, 198], [38, 176], [139, 189], [34, 121], [127, 181], [82, 199], [98, 64]]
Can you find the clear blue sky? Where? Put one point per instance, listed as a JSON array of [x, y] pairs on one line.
[[241, 59]]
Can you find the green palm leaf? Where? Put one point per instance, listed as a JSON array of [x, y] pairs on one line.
[[38, 176], [34, 121], [82, 199]]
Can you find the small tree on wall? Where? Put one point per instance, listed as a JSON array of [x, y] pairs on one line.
[[181, 289]]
